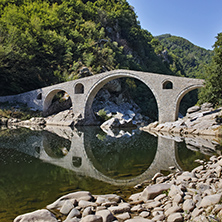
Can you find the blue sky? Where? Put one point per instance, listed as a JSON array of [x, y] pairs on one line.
[[198, 21]]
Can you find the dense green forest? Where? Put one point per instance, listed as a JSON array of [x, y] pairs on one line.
[[212, 92], [44, 42], [193, 59]]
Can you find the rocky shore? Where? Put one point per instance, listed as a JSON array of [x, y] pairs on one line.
[[179, 196], [199, 120]]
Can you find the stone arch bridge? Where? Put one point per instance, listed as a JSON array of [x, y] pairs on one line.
[[168, 91]]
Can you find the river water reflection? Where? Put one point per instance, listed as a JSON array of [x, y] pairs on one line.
[[37, 167]]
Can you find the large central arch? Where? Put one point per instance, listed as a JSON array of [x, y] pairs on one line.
[[88, 113]]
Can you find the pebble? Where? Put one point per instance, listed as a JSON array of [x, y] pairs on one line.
[[172, 200]]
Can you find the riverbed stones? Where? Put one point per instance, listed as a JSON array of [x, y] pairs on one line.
[[154, 190], [193, 109], [38, 216], [106, 215], [92, 218], [123, 216], [73, 213], [76, 196], [67, 207], [139, 219], [199, 120], [172, 200], [121, 208], [210, 200], [85, 204], [175, 217]]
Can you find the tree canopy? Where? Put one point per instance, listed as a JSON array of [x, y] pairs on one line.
[[193, 59], [44, 42], [47, 42], [212, 92]]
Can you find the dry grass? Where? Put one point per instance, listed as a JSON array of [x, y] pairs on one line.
[[19, 111]]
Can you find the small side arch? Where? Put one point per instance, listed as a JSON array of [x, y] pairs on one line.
[[167, 84], [39, 96], [49, 99], [79, 88], [182, 94]]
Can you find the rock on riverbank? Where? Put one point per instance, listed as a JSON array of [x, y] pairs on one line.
[[200, 120], [180, 196]]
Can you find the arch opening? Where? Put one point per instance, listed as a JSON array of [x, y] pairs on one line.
[[186, 99], [39, 96], [76, 161], [56, 101], [167, 85], [55, 146], [79, 88], [122, 95]]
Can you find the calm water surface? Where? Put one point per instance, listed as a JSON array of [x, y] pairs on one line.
[[37, 167]]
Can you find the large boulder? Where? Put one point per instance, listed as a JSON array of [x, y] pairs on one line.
[[193, 109], [64, 118], [37, 216], [152, 191]]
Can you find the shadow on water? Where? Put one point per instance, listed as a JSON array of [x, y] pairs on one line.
[[37, 167]]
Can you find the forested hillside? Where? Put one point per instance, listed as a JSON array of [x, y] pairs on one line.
[[192, 58], [43, 42], [212, 92]]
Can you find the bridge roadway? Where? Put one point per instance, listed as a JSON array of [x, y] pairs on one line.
[[168, 91], [164, 157]]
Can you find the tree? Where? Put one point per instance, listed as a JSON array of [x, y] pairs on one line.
[[212, 92]]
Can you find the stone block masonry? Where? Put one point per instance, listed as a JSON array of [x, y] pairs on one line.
[[168, 91]]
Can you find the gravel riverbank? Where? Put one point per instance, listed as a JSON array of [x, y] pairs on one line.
[[180, 196]]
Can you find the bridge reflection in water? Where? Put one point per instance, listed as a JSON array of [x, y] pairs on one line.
[[92, 154], [126, 159], [38, 166]]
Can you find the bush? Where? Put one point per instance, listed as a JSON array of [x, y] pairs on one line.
[[103, 115]]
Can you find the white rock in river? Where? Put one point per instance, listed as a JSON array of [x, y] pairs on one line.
[[152, 191], [176, 217], [92, 218], [37, 216], [210, 200], [67, 207], [106, 215], [79, 195]]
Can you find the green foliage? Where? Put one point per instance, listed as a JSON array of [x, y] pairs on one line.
[[47, 42], [212, 92], [190, 59], [103, 115], [166, 192]]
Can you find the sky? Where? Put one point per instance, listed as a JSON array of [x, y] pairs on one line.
[[198, 21]]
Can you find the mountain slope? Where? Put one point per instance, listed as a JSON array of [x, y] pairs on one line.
[[43, 42], [192, 58]]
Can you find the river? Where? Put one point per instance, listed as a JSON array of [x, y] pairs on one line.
[[38, 166]]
